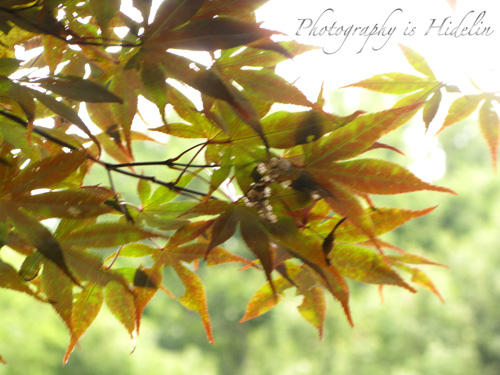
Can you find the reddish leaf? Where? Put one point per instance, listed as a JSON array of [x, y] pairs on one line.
[[210, 34], [365, 265], [378, 145], [194, 297], [374, 176], [224, 227], [53, 50], [490, 127], [257, 240], [461, 108], [191, 252], [46, 172], [189, 232], [59, 291], [85, 309], [79, 89], [313, 308], [266, 85], [103, 235], [394, 83], [121, 303], [229, 7], [2, 361], [72, 204], [417, 61]]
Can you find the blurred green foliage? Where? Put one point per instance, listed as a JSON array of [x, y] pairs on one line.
[[406, 335]]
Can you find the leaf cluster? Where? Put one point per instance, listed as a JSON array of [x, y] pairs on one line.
[[301, 182]]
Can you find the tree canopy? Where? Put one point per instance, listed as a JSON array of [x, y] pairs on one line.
[[295, 186]]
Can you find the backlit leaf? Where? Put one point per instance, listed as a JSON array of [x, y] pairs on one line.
[[59, 291], [355, 137], [171, 14], [210, 34], [461, 108], [85, 309], [121, 303], [79, 89], [224, 227], [394, 83], [313, 308], [8, 66], [46, 172], [365, 265], [85, 202], [490, 127], [10, 279], [431, 108], [417, 61], [265, 298], [102, 235], [419, 277], [376, 177], [194, 297], [146, 284], [189, 232]]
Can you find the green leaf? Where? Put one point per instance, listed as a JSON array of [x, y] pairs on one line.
[[8, 66], [419, 277], [79, 89], [104, 11], [490, 127], [417, 61], [209, 34], [154, 84], [31, 266], [394, 83]]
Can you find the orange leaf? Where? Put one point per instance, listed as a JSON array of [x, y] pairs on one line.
[[431, 108], [194, 297], [146, 283], [10, 279], [419, 277], [189, 232]]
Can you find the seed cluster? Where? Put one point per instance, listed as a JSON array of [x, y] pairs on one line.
[[260, 191]]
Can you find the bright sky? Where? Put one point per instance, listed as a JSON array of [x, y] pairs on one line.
[[347, 59]]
